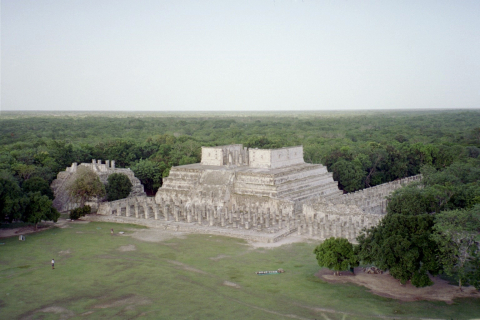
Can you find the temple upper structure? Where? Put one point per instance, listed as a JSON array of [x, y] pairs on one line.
[[236, 154], [235, 176]]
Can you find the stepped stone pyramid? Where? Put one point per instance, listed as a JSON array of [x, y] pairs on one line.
[[239, 177]]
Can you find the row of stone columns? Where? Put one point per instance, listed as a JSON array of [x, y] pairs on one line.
[[204, 214], [338, 227]]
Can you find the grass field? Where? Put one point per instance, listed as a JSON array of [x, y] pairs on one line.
[[98, 275]]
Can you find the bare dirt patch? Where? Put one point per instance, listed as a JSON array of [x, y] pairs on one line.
[[284, 241], [129, 247], [6, 233], [231, 284], [154, 235], [62, 312], [186, 267], [220, 256], [386, 286], [64, 252], [61, 223], [130, 303]]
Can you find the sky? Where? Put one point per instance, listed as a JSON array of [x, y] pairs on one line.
[[142, 55]]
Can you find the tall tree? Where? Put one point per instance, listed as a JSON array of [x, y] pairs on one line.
[[39, 208], [336, 254], [402, 242], [457, 233], [86, 185], [118, 186], [38, 184]]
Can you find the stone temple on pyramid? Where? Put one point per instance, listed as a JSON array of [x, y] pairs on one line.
[[257, 194]]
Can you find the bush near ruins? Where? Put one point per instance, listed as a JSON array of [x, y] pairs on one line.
[[80, 212], [336, 254], [118, 186]]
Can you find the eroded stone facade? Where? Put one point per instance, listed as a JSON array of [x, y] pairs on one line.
[[64, 202]]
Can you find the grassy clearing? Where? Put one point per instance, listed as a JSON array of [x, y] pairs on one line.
[[181, 279]]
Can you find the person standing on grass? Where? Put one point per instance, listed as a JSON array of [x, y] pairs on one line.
[[112, 232], [53, 264]]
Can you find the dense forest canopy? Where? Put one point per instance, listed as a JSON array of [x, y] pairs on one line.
[[362, 149]]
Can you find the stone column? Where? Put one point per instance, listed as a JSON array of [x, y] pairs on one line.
[[267, 221], [165, 212], [155, 211], [146, 214], [189, 216], [176, 210], [247, 225], [199, 219], [113, 164], [212, 219], [127, 210], [136, 210]]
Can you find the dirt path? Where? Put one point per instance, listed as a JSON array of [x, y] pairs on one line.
[[386, 286], [11, 232]]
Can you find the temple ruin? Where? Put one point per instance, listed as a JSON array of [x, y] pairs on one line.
[[257, 194], [64, 202]]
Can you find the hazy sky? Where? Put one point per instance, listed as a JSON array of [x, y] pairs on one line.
[[239, 55]]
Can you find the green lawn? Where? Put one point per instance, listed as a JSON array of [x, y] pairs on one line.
[[178, 279]]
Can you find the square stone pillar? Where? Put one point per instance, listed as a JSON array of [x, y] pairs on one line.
[[165, 212], [155, 211], [146, 214], [136, 210]]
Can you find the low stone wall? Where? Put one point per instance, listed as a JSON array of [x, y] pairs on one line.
[[374, 200]]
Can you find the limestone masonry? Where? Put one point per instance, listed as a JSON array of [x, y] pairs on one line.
[[63, 201], [257, 194]]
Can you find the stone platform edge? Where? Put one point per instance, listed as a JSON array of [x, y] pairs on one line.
[[251, 235]]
